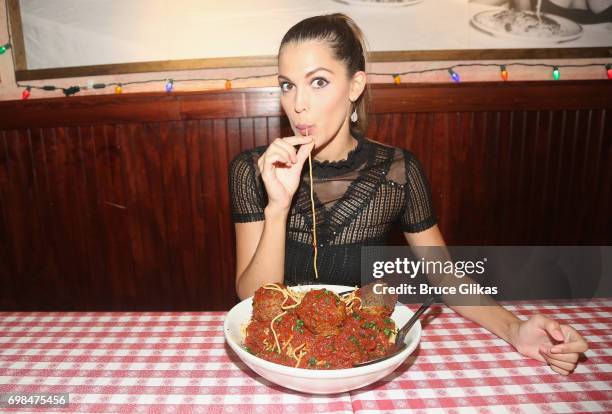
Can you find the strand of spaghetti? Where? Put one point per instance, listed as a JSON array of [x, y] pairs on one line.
[[243, 331], [314, 216], [350, 301], [360, 301], [274, 332], [297, 348], [538, 7], [288, 343], [297, 298], [302, 353]]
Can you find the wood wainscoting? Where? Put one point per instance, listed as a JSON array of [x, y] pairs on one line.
[[122, 203]]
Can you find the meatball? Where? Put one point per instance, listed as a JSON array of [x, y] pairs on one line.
[[322, 312], [378, 311], [379, 305], [267, 303]]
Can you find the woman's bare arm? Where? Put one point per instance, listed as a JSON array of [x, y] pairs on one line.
[[496, 319], [260, 246], [260, 252]]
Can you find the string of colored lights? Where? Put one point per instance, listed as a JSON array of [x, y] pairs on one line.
[[169, 83]]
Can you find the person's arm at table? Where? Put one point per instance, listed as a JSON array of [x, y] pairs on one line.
[[260, 246], [260, 252], [532, 337]]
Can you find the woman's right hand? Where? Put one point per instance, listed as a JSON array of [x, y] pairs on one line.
[[281, 168]]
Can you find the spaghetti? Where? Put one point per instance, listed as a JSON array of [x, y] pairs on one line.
[[317, 329], [314, 216]]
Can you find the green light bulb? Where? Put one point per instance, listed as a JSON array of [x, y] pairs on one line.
[[556, 73]]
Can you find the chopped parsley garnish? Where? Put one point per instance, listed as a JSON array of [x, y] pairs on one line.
[[369, 325], [312, 361], [299, 326]]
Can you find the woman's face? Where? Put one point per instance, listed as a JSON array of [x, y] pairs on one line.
[[316, 93]]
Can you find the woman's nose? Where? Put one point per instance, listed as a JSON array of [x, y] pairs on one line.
[[301, 102]]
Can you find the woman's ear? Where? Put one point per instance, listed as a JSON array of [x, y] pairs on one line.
[[358, 83]]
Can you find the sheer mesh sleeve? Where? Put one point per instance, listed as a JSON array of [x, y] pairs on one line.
[[247, 193], [419, 214]]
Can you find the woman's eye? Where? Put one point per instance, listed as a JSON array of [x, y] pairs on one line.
[[285, 86], [319, 82]]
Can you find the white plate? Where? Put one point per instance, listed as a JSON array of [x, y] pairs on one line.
[[373, 3], [328, 381], [571, 30]]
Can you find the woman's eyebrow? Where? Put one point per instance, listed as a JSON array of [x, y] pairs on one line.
[[308, 74]]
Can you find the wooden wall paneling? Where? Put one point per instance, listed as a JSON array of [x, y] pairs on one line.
[[83, 211], [247, 134], [14, 207], [398, 130], [260, 131], [570, 209], [143, 217], [9, 281], [274, 128], [196, 209], [235, 138], [52, 279], [222, 212], [173, 196], [121, 236], [450, 158], [157, 220], [213, 253], [92, 140], [540, 175], [438, 159], [602, 175], [63, 235]]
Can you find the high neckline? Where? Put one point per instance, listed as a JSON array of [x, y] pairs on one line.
[[354, 159]]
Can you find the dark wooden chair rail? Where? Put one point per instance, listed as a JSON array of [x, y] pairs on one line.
[[121, 202]]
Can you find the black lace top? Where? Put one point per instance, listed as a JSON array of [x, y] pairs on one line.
[[358, 201]]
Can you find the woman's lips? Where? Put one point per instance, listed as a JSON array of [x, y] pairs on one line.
[[305, 129]]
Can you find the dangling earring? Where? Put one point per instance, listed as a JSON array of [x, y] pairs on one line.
[[354, 116]]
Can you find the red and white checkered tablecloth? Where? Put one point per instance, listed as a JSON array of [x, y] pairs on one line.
[[177, 362]]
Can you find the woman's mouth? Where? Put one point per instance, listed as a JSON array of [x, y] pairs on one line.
[[305, 129]]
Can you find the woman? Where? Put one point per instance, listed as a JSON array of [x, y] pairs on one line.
[[362, 188]]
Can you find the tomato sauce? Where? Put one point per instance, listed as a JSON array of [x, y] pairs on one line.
[[322, 332]]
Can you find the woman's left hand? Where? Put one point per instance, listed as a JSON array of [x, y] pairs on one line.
[[548, 341]]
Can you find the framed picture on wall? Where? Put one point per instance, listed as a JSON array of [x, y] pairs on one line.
[[67, 38]]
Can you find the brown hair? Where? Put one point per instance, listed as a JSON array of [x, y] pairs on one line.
[[347, 43]]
